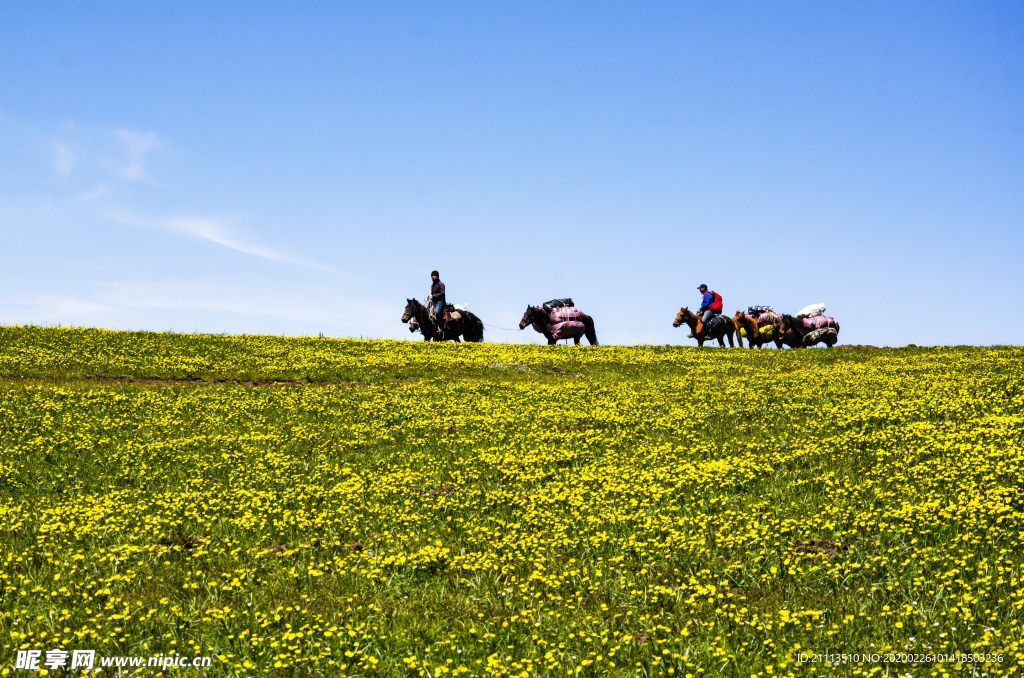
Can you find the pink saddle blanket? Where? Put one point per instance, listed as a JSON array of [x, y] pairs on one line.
[[566, 314], [818, 322], [567, 329]]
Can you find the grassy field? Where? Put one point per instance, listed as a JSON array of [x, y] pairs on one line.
[[308, 506]]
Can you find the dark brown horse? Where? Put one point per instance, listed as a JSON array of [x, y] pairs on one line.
[[792, 331], [717, 330], [541, 322], [466, 325]]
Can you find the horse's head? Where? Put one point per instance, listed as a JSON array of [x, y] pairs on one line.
[[527, 317], [789, 323], [414, 324], [684, 316], [411, 306]]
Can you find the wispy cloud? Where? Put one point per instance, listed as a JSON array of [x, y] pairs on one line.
[[134, 145], [64, 159], [216, 231], [219, 231], [209, 305], [103, 169], [68, 309]]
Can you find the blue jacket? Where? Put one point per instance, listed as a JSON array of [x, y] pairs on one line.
[[706, 301]]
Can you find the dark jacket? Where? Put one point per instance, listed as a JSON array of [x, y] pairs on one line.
[[437, 291]]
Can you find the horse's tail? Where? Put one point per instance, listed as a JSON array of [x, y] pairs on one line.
[[474, 329], [588, 329]]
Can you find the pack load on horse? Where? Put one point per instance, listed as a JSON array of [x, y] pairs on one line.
[[811, 311], [717, 327], [809, 331], [827, 335], [560, 319]]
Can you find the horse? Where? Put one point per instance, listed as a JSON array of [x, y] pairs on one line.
[[728, 328], [467, 325], [745, 322], [792, 331], [541, 322], [754, 336]]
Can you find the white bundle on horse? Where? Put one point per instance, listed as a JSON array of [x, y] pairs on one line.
[[811, 311]]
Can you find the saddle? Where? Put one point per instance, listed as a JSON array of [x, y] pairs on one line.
[[556, 303], [453, 311], [715, 323]]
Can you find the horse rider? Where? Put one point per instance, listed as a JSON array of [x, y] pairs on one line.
[[437, 296], [710, 306]]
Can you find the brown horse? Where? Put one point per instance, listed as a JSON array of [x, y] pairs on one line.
[[744, 323], [754, 336], [713, 329]]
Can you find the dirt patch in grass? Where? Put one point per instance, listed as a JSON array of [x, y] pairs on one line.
[[821, 547], [749, 594], [187, 542], [444, 489], [226, 382], [280, 548]]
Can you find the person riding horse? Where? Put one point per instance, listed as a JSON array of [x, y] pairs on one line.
[[710, 306], [437, 298]]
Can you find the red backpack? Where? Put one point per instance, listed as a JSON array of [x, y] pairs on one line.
[[716, 302]]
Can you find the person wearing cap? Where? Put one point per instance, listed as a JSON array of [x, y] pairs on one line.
[[706, 310], [437, 296]]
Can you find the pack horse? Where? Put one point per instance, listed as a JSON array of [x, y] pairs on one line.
[[560, 319]]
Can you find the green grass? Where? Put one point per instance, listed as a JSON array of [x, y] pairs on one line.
[[387, 508]]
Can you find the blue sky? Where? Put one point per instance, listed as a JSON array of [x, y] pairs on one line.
[[296, 168]]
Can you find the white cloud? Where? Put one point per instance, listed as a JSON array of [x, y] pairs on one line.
[[218, 231], [64, 159], [210, 306], [91, 194], [101, 168], [135, 145], [215, 231], [46, 307]]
